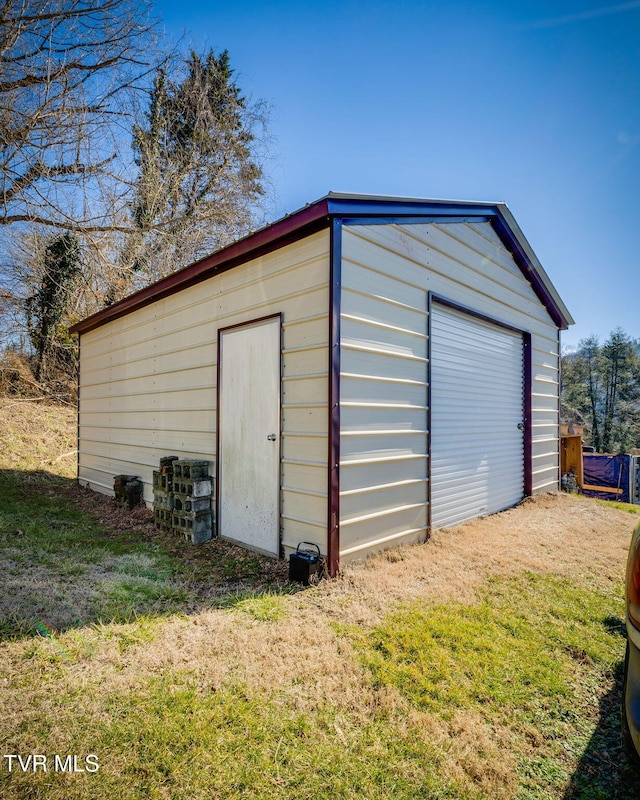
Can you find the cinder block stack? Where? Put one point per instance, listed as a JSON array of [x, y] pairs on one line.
[[182, 492], [163, 493], [192, 491]]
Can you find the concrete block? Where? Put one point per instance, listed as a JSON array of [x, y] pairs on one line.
[[162, 480], [162, 517], [190, 504], [199, 537], [196, 526], [194, 488], [191, 469], [163, 499], [167, 462]]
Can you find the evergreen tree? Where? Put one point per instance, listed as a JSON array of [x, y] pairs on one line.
[[45, 308], [601, 384], [199, 176]]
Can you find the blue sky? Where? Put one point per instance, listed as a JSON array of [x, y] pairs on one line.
[[533, 103]]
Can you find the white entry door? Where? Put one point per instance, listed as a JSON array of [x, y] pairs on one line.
[[477, 417], [249, 435]]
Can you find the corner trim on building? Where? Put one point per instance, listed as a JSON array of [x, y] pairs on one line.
[[333, 464], [429, 415], [530, 272], [527, 366]]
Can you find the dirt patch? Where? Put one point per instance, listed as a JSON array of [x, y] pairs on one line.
[[210, 570]]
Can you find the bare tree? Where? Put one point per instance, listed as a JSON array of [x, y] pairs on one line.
[[144, 188], [65, 66]]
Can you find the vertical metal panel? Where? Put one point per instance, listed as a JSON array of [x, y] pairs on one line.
[[527, 379], [635, 480], [477, 417], [78, 411]]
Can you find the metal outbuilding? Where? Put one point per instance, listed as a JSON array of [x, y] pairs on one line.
[[359, 372]]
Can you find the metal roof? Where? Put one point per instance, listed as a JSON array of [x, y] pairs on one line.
[[347, 206]]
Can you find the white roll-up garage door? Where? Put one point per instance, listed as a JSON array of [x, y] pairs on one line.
[[477, 402]]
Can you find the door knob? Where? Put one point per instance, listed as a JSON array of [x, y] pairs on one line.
[[272, 437]]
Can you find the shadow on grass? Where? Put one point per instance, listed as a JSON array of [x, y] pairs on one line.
[[70, 557], [604, 772]]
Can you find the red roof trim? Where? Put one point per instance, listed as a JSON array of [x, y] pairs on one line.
[[295, 226], [350, 208]]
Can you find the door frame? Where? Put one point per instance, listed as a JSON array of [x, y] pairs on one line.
[[527, 378], [228, 328]]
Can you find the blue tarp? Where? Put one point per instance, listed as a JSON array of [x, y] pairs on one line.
[[611, 472]]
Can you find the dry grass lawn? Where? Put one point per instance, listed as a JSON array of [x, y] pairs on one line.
[[290, 646]]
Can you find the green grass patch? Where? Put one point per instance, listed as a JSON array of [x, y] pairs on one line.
[[519, 647], [38, 519], [631, 508], [267, 607], [529, 657], [175, 737], [126, 598], [65, 570], [72, 647], [134, 634]]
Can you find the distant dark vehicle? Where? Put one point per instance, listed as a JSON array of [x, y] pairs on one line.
[[631, 680], [587, 448]]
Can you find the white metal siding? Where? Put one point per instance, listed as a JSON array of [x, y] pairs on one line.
[[148, 379], [477, 396], [383, 412], [386, 274]]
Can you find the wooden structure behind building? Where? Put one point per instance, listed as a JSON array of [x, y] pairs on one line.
[[571, 452]]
